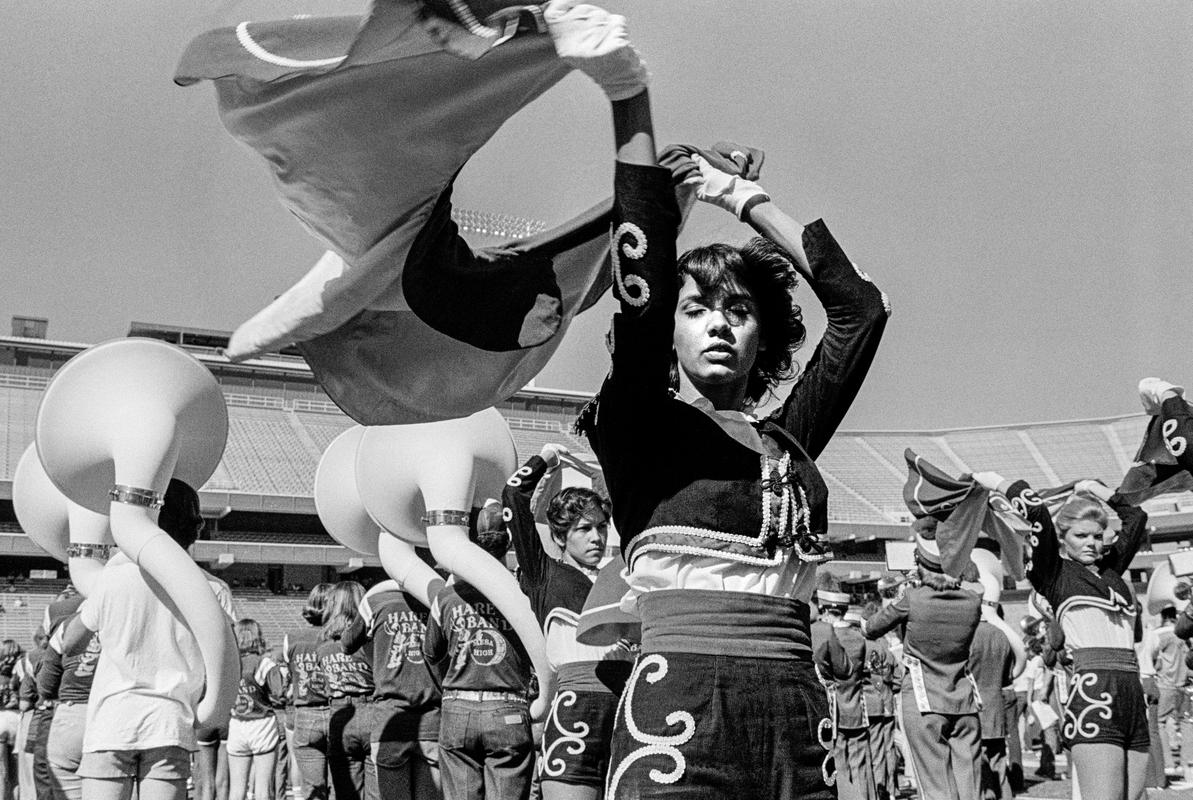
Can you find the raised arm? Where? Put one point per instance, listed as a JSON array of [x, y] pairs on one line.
[[1166, 401], [645, 223], [1045, 558], [516, 498], [856, 313], [1131, 533]]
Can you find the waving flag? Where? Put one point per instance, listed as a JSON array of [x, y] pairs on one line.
[[1155, 471], [964, 510]]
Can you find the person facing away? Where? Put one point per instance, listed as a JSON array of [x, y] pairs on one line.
[[991, 662], [141, 713], [67, 679], [311, 714], [485, 744], [940, 700], [405, 707]]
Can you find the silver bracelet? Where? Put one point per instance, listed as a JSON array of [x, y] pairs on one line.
[[135, 497], [88, 550], [446, 517]]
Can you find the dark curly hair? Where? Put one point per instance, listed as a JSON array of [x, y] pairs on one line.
[[571, 504], [762, 267]]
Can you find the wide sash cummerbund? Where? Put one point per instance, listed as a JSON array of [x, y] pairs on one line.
[[1111, 658], [608, 676], [724, 624]]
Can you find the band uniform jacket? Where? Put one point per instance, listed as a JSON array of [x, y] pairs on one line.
[[842, 658], [938, 628], [880, 684], [991, 662]]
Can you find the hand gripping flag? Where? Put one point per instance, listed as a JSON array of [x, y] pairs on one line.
[[1156, 470], [964, 510]]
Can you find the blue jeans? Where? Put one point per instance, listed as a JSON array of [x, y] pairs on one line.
[[310, 749], [485, 749], [349, 751]]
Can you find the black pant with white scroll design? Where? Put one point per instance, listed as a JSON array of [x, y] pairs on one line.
[[716, 726]]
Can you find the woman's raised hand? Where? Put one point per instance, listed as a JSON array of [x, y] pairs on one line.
[[724, 177], [552, 454], [989, 480], [1154, 391], [1092, 488], [597, 43]]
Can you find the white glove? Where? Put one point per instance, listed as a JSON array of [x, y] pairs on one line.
[[596, 42], [551, 453], [988, 480], [1152, 390], [730, 192], [1092, 488]]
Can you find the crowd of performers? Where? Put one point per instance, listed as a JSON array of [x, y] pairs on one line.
[[918, 686], [722, 687]]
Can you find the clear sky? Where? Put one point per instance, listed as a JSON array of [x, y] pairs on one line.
[[1017, 176]]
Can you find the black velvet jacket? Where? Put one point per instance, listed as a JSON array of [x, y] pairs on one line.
[[1066, 583], [678, 482], [552, 586]]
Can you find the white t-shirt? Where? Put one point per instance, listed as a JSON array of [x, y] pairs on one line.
[[223, 595], [1033, 676], [150, 672]]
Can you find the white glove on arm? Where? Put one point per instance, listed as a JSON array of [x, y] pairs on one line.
[[596, 42], [1151, 393], [733, 193]]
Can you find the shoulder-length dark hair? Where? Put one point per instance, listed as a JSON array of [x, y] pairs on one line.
[[762, 267], [342, 609], [316, 603]]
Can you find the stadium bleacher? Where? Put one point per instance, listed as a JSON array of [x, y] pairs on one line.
[[25, 608], [276, 437]]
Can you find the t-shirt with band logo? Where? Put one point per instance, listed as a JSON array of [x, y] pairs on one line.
[[344, 675], [306, 679], [394, 624], [473, 645]]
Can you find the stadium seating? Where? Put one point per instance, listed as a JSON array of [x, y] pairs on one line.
[[277, 435]]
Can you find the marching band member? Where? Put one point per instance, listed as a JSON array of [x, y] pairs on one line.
[[253, 730], [391, 629], [486, 745], [994, 662], [1105, 719], [574, 760], [140, 727], [940, 701], [71, 677], [348, 684], [842, 659], [720, 514], [311, 714], [879, 691]]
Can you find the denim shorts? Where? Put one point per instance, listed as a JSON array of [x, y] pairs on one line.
[[155, 763]]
